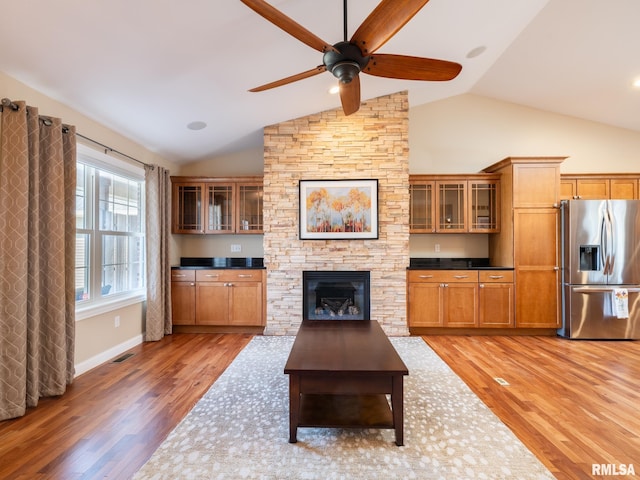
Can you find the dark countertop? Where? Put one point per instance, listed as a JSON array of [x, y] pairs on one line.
[[453, 264], [219, 262]]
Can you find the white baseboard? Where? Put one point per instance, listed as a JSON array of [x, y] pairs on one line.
[[107, 355]]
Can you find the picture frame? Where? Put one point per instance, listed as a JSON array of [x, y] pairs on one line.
[[338, 209]]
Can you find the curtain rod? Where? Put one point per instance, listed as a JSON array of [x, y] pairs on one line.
[[9, 104]]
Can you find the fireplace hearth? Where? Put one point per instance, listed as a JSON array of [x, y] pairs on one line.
[[336, 295]]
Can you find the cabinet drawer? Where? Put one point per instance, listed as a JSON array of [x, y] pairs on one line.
[[240, 275], [443, 276], [495, 276], [183, 275]]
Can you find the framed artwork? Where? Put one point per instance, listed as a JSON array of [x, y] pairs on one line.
[[338, 209]]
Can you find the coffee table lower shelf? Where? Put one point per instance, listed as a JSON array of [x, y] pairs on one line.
[[345, 411]]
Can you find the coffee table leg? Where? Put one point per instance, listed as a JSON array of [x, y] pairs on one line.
[[294, 407], [397, 406]]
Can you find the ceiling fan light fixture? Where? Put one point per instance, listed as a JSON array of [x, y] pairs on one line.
[[345, 71]]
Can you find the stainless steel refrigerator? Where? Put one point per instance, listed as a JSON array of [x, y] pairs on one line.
[[600, 269]]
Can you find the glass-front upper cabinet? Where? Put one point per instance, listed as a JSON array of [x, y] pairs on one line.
[[484, 198], [219, 208], [188, 207], [217, 205], [454, 203], [450, 206], [250, 208], [421, 207]]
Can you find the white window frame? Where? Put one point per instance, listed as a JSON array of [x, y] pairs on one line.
[[101, 305]]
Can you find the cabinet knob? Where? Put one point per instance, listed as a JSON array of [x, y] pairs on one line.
[[481, 285], [426, 276], [460, 276], [245, 275], [495, 277]]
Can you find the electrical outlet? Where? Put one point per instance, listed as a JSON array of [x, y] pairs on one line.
[[235, 248], [437, 247], [116, 321]]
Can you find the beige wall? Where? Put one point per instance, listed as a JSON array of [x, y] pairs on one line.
[[97, 338], [462, 134], [467, 133]]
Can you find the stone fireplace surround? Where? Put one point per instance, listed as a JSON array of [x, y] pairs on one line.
[[370, 144]]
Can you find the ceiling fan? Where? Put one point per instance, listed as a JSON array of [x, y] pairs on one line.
[[347, 59]]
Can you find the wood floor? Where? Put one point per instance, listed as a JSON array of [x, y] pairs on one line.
[[572, 403]]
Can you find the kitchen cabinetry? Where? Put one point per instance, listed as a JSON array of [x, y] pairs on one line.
[[528, 239], [203, 205], [454, 204], [495, 299], [598, 186], [218, 297], [460, 299], [442, 298], [183, 297]]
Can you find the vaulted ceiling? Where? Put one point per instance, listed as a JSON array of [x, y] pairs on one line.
[[148, 68]]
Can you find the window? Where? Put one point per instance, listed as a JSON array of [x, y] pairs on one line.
[[110, 242]]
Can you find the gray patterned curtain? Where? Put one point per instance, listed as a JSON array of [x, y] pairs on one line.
[[158, 217], [37, 258]]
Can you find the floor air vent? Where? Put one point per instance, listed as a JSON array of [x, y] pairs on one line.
[[123, 358]]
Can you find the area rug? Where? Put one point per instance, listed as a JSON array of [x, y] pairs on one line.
[[240, 429]]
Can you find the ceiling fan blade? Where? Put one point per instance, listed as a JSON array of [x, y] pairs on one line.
[[291, 79], [290, 26], [350, 95], [411, 68], [385, 20]]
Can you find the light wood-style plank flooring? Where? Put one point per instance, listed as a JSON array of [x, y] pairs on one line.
[[572, 403]]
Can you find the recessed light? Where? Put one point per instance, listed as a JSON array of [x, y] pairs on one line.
[[636, 83], [476, 52], [197, 125], [335, 89]]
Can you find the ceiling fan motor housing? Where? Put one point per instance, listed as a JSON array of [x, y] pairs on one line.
[[346, 63]]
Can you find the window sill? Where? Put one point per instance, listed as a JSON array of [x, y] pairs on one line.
[[105, 306]]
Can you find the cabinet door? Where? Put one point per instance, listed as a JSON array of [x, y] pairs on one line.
[[536, 185], [451, 206], [536, 268], [249, 218], [495, 305], [183, 303], [567, 189], [219, 208], [484, 206], [592, 188], [460, 301], [422, 207], [188, 208], [623, 189], [212, 303], [245, 303], [425, 305]]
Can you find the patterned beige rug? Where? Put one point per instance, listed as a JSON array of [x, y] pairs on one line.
[[239, 430]]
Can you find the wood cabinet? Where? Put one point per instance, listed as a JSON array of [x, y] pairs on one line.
[[460, 299], [495, 299], [203, 205], [529, 237], [218, 297], [599, 186], [454, 204], [442, 298], [183, 297]]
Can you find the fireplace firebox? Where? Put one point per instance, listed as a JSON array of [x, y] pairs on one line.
[[336, 295]]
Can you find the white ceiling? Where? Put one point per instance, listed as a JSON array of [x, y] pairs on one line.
[[147, 68]]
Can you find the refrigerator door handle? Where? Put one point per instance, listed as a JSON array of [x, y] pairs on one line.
[[603, 289]]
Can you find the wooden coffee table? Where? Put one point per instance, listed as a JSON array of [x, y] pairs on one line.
[[340, 373]]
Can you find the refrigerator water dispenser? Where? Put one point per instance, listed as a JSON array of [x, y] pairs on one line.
[[589, 258]]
